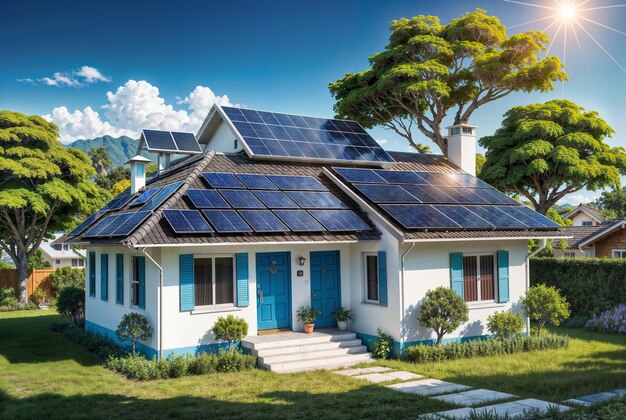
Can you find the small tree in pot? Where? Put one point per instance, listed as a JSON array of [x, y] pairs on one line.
[[343, 315], [307, 316]]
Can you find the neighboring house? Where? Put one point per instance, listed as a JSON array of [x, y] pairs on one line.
[[606, 240], [584, 215], [271, 212], [58, 253]]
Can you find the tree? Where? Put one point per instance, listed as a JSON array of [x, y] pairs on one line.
[[133, 327], [230, 329], [44, 187], [119, 187], [428, 70], [546, 151], [505, 324], [71, 303], [37, 262], [101, 160], [545, 304], [443, 311], [480, 161], [114, 176], [65, 277], [613, 203]]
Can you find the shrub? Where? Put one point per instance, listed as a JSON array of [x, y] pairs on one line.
[[443, 311], [203, 364], [488, 347], [576, 321], [99, 344], [65, 277], [133, 327], [230, 329], [505, 324], [8, 297], [235, 362], [382, 345], [612, 321], [307, 315], [71, 303], [343, 314], [39, 294], [545, 304]]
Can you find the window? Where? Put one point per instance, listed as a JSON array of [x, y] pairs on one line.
[[81, 262], [467, 130], [455, 130], [619, 253], [134, 283], [57, 262], [569, 255], [66, 247], [214, 280], [236, 144], [74, 262], [370, 269], [479, 279], [587, 223], [140, 169]]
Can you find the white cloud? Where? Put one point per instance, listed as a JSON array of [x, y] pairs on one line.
[[74, 78], [580, 198], [382, 141], [92, 74], [134, 106]]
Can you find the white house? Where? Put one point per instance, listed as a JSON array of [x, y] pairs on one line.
[[271, 212], [584, 215], [58, 253]]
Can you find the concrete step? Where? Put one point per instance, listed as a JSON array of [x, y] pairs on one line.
[[329, 345], [297, 339], [311, 355], [330, 363]]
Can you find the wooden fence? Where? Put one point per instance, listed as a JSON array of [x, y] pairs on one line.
[[36, 279]]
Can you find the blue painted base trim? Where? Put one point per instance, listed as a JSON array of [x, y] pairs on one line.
[[196, 350], [147, 351]]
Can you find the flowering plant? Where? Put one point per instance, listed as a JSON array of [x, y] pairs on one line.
[[612, 321]]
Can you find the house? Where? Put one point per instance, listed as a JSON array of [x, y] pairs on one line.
[[584, 215], [58, 253], [268, 212], [605, 240]]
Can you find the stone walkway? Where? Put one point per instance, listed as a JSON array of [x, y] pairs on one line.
[[512, 409], [588, 400]]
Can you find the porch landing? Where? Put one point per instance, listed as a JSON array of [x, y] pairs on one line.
[[326, 348]]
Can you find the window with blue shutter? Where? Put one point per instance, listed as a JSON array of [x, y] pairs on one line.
[[104, 277], [382, 278], [186, 286], [243, 290], [119, 278], [92, 273], [456, 272], [503, 276]]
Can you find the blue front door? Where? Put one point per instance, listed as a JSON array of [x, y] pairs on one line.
[[273, 290], [325, 286]]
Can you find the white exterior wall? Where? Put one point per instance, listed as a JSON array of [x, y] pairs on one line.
[[581, 217], [223, 140]]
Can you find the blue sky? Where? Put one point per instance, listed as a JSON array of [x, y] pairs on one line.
[[71, 60]]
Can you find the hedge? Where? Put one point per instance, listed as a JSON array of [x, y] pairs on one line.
[[590, 285]]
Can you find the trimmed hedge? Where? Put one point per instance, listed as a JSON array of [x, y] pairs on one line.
[[98, 344], [590, 285], [488, 347]]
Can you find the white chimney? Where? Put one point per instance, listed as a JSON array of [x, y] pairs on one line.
[[462, 147], [137, 173]]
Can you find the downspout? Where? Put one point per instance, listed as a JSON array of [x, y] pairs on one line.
[[544, 242], [580, 248], [143, 251], [402, 292]]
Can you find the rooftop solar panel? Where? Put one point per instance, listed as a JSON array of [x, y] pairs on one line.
[[117, 203], [418, 216], [145, 196], [242, 199], [257, 182], [438, 179], [316, 200], [462, 216], [263, 221], [207, 199], [95, 229], [86, 223], [115, 224], [464, 195], [299, 220], [158, 199], [467, 180], [385, 193], [400, 177], [187, 221], [297, 183], [429, 194], [496, 216], [227, 221], [276, 199], [529, 217], [360, 175], [339, 220], [186, 142], [159, 140], [222, 180], [128, 225]]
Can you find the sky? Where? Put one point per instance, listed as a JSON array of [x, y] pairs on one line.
[[114, 67]]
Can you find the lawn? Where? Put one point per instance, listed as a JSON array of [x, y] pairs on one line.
[[43, 375]]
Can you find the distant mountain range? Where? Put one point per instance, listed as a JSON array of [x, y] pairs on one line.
[[120, 149]]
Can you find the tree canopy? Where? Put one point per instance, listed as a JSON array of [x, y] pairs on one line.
[[101, 160], [613, 203], [429, 69], [43, 187], [546, 151]]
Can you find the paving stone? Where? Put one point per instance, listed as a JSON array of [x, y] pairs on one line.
[[619, 391], [362, 371], [388, 376], [512, 409], [589, 400], [473, 397], [403, 375], [428, 387]]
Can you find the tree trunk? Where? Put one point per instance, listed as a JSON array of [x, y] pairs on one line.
[[133, 345], [439, 339], [22, 277]]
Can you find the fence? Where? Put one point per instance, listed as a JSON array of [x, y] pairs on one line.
[[36, 279]]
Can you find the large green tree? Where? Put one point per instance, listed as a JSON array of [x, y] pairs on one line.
[[429, 69], [613, 203], [546, 151], [43, 186], [101, 160]]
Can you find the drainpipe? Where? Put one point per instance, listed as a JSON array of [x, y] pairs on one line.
[[143, 251], [402, 292], [580, 248], [544, 242]]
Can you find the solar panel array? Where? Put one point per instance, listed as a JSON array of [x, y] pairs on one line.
[[273, 134], [171, 141], [428, 200], [245, 203]]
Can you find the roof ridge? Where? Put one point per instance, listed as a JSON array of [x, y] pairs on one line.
[[143, 230]]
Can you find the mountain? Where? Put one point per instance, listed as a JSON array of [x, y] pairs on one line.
[[120, 149]]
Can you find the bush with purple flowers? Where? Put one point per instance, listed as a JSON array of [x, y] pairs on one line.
[[612, 321]]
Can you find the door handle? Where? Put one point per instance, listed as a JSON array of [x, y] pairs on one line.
[[260, 293]]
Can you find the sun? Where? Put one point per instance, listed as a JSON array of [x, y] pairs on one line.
[[567, 11]]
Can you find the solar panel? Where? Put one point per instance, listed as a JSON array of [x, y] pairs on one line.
[[429, 194], [462, 216], [276, 199], [128, 225], [186, 142], [161, 196], [416, 216], [242, 199], [529, 217], [493, 196], [86, 223], [207, 199], [360, 175], [286, 135], [263, 221], [227, 221], [496, 216], [145, 196], [339, 220], [385, 193], [95, 230], [467, 180], [117, 203], [299, 220], [463, 195], [159, 140], [297, 183], [187, 221], [439, 179], [316, 200], [115, 224], [222, 180], [400, 177], [257, 182]]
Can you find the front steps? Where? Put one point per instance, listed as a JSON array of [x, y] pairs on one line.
[[298, 352]]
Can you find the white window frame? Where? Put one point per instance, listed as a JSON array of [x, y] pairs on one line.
[[74, 262], [65, 247], [213, 282], [81, 262], [365, 288], [477, 255], [569, 254], [586, 223], [618, 253], [131, 281]]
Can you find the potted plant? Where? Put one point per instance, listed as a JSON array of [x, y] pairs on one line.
[[343, 315], [307, 316]]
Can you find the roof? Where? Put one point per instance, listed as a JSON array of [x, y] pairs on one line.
[[584, 235], [60, 238], [588, 210]]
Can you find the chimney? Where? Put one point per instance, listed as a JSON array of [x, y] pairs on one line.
[[462, 147], [137, 173]]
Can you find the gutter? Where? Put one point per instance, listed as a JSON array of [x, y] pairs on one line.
[[544, 242], [404, 255], [143, 251]]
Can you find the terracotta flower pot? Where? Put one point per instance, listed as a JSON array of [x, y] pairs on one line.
[[308, 328]]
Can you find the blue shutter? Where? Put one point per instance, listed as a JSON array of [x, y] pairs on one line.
[[104, 276], [141, 273], [119, 278], [243, 294], [92, 273], [382, 278], [503, 276], [456, 272], [187, 299]]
